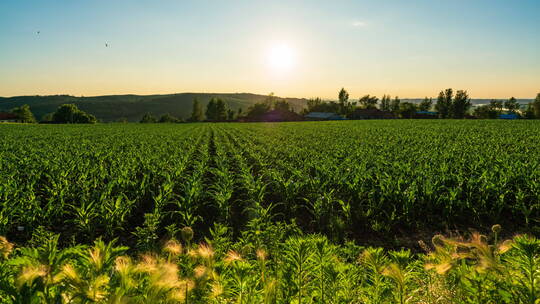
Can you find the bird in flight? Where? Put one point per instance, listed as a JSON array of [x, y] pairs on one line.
[[38, 32], [106, 45]]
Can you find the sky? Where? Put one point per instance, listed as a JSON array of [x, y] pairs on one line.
[[309, 48]]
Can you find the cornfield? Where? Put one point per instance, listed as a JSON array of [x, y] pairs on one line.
[[268, 213]]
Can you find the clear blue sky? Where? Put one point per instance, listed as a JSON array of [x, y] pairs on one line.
[[293, 48]]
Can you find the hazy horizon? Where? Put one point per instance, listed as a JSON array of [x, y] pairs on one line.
[[351, 98], [296, 49]]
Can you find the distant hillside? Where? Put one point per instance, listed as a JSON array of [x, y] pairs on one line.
[[133, 107]]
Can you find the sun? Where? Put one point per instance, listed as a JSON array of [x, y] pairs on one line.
[[281, 57]]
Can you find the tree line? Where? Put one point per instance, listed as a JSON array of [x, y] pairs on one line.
[[449, 104], [65, 113]]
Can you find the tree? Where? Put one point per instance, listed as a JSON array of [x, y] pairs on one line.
[[257, 110], [385, 103], [461, 104], [394, 105], [368, 102], [48, 118], [343, 96], [344, 105], [69, 113], [196, 112], [444, 103], [511, 105], [529, 111], [211, 109], [487, 111], [221, 110], [167, 118], [536, 106], [496, 105], [425, 105], [85, 118], [24, 114], [230, 114], [216, 110], [407, 109], [148, 118], [282, 105]]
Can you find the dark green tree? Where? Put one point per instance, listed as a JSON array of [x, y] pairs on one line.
[[196, 112], [148, 118], [69, 113], [65, 113], [385, 103], [368, 102], [461, 104], [258, 110], [425, 105], [407, 109], [221, 110], [497, 105], [535, 106], [282, 105], [167, 118], [230, 114], [24, 114], [487, 111], [47, 118], [211, 110], [394, 105], [343, 96], [344, 104], [444, 103], [512, 105]]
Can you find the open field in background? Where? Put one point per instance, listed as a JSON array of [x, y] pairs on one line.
[[364, 180]]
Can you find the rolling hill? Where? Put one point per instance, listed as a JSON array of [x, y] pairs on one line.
[[133, 107]]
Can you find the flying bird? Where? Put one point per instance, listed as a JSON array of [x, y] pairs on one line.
[[38, 32], [106, 45]]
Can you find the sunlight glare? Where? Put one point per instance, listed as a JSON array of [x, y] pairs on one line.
[[281, 57]]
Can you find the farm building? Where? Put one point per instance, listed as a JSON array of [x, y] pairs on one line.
[[371, 114], [508, 116], [323, 116], [425, 114], [8, 117]]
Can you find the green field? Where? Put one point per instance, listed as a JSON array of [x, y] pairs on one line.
[[300, 191], [343, 179]]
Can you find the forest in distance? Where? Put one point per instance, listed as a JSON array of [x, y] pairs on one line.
[[193, 107]]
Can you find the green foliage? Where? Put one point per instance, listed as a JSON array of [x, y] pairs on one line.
[[24, 114], [112, 107], [425, 105], [69, 113], [395, 105], [385, 103], [461, 104], [407, 109], [148, 118], [444, 103], [168, 118], [99, 181], [536, 106], [216, 110], [511, 105], [368, 102], [196, 112]]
